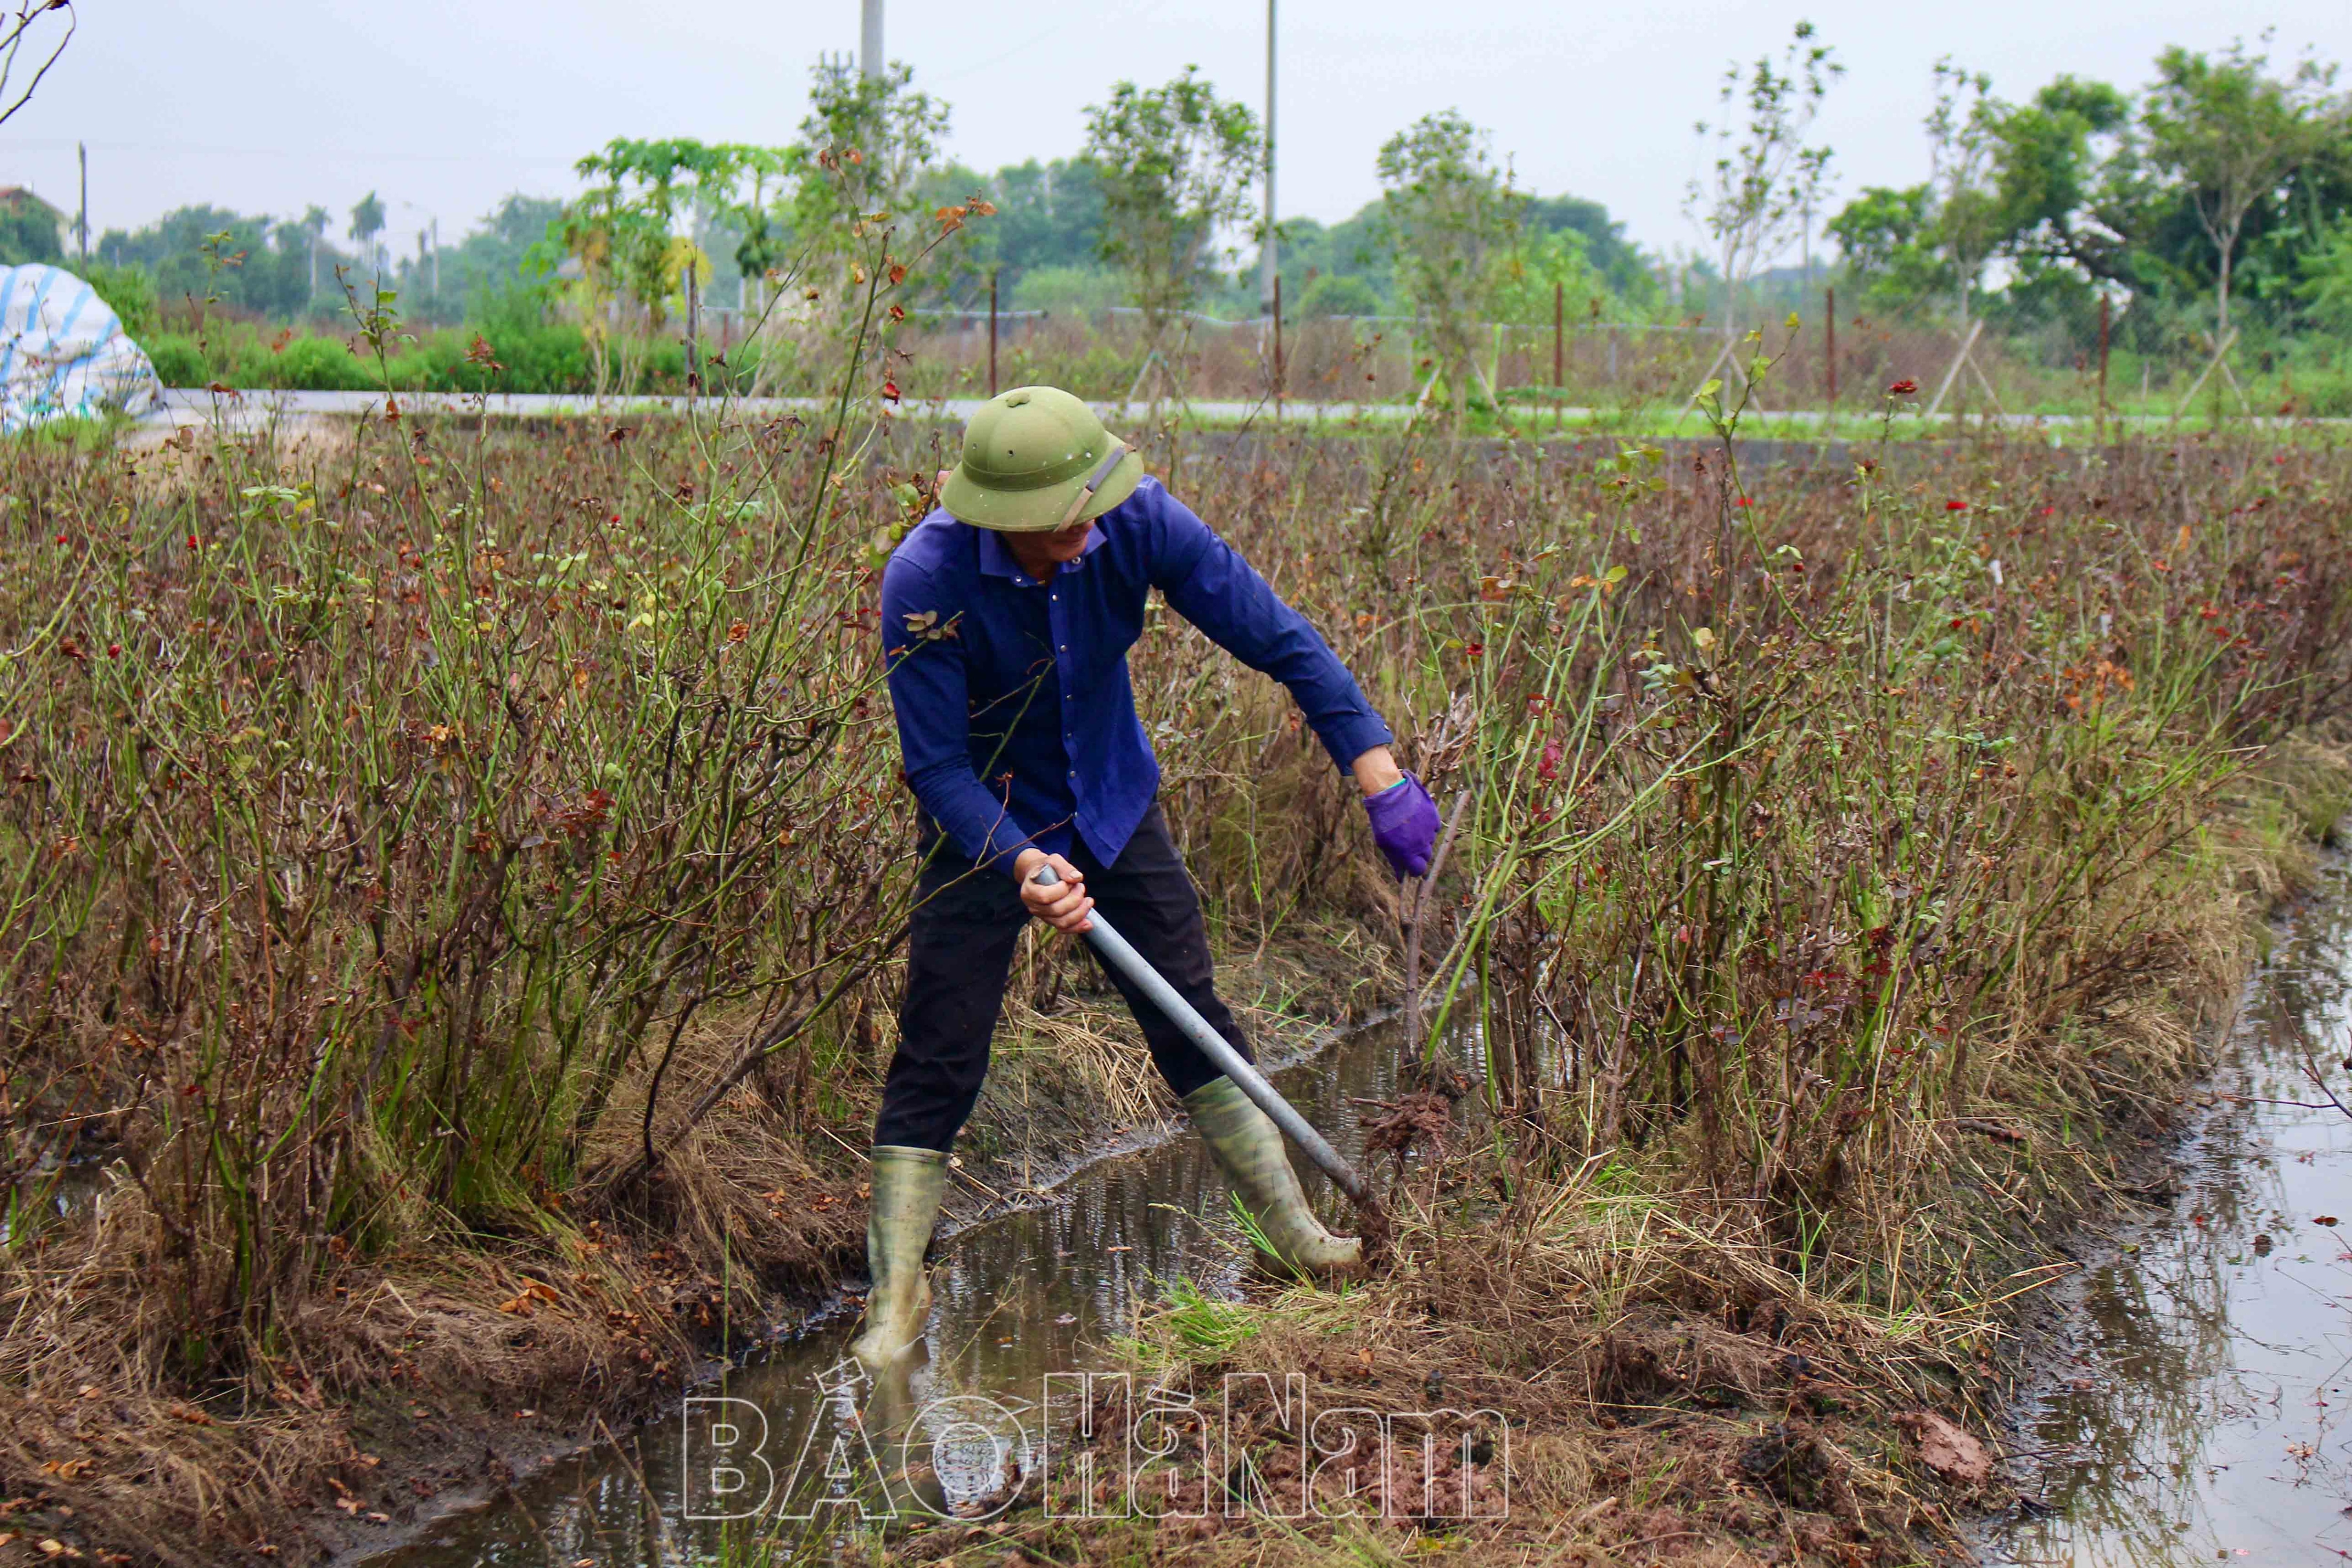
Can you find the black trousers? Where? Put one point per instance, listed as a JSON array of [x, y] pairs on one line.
[[960, 950]]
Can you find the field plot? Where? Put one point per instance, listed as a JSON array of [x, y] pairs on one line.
[[454, 879]]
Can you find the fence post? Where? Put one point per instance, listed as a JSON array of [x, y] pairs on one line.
[[2103, 319], [992, 332], [1559, 348], [1829, 345], [693, 329], [1277, 351]]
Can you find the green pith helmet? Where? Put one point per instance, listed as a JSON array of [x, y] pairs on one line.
[[1036, 458]]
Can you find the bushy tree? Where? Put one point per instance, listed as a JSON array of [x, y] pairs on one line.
[[1173, 165], [869, 144], [255, 264], [1450, 221], [28, 231], [2231, 134], [367, 223]]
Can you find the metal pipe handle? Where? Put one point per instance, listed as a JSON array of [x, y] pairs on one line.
[[1120, 954]]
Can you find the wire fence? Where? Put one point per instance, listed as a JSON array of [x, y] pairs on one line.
[[2073, 357]]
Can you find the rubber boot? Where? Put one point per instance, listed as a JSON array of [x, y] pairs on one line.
[[1248, 1146], [906, 1186]]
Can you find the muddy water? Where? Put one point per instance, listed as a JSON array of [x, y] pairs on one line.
[[2202, 1416], [1035, 1292]]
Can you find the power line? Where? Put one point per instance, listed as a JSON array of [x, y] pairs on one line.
[[368, 156]]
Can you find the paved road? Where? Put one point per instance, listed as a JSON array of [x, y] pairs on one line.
[[251, 409]]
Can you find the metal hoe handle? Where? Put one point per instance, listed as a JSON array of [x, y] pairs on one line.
[[1117, 952]]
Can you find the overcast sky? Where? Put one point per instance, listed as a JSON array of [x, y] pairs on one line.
[[442, 106]]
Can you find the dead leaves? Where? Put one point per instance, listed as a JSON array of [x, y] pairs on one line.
[[533, 1291]]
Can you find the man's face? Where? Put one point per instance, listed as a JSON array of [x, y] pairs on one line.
[[1063, 545]]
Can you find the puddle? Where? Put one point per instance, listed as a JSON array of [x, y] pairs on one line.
[[2203, 1418], [1040, 1291]]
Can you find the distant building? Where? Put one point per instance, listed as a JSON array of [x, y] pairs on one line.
[[30, 228]]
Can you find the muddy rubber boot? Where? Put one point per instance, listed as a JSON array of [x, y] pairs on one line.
[[1248, 1146], [906, 1185]]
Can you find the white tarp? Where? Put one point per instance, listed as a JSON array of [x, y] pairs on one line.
[[63, 351]]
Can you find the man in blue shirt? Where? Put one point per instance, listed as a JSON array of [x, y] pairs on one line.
[[1006, 618]]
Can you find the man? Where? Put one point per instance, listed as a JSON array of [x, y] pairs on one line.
[[1006, 618]]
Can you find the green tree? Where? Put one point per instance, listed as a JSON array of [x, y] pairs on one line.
[[2231, 134], [867, 146], [1173, 165], [1966, 216], [2066, 172], [1450, 221], [257, 265], [2325, 282], [367, 223], [28, 231], [1617, 258], [1765, 181], [1884, 237]]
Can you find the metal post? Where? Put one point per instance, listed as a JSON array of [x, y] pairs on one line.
[[870, 37], [1829, 347], [992, 332], [81, 220], [1559, 348], [693, 328], [2104, 309], [1265, 257], [1277, 351]]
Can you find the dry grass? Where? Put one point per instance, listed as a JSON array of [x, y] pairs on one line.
[[351, 908]]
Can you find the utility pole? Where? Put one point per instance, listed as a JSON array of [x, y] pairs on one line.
[[437, 262], [870, 37], [1265, 258], [992, 332], [81, 220]]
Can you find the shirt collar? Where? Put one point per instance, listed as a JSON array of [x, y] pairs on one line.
[[996, 561]]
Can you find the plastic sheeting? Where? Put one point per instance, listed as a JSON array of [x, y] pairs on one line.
[[63, 353]]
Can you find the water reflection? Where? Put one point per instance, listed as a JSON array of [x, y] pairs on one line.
[[2199, 1420], [1044, 1290]]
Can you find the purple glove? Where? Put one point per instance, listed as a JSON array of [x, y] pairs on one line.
[[1404, 825]]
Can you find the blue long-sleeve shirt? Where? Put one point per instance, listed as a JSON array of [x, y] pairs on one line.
[[1016, 717]]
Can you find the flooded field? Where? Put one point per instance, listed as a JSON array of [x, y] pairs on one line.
[[1036, 1292], [2194, 1418], [2202, 1417]]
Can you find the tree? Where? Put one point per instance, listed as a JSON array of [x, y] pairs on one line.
[[2231, 132], [1173, 164], [866, 146], [29, 230], [1765, 181], [367, 222], [1450, 220], [314, 223], [1885, 237], [625, 228], [1965, 214], [1605, 245], [2326, 286]]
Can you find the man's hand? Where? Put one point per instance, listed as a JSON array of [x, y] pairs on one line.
[[1061, 905], [1403, 818]]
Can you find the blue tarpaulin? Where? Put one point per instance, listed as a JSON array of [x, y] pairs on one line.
[[63, 351]]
